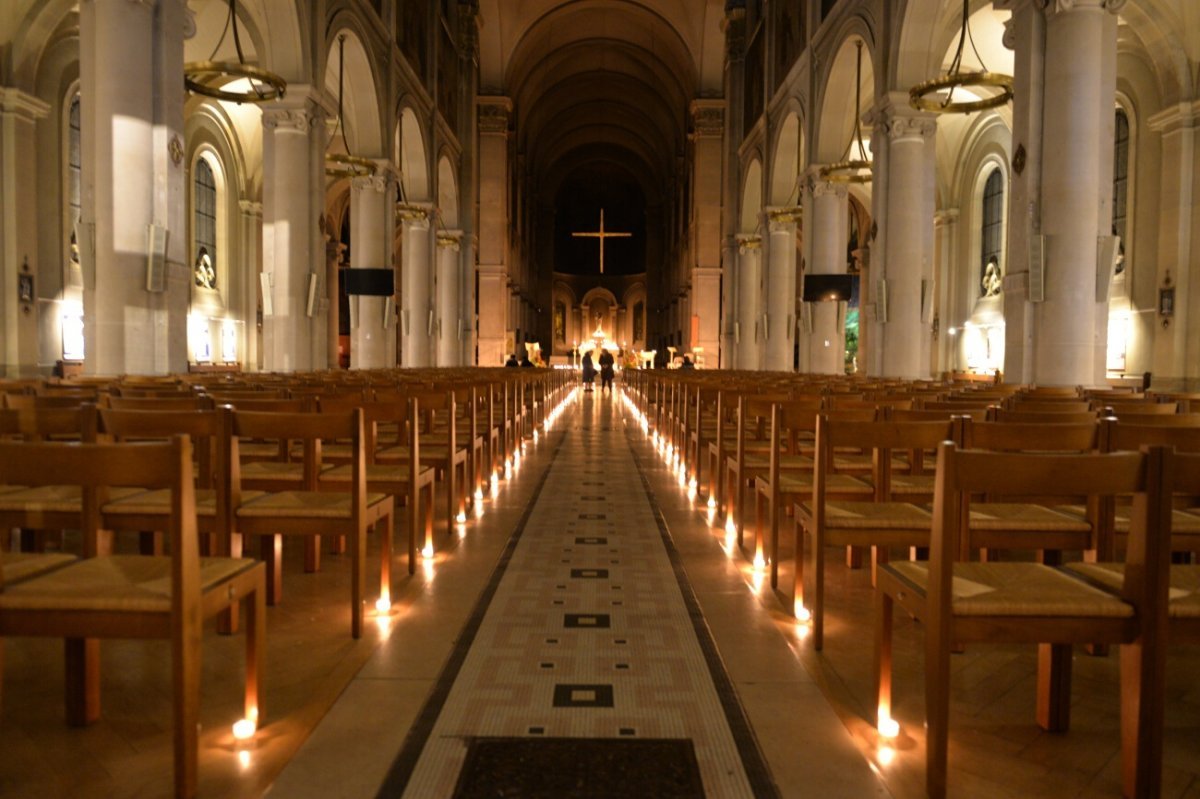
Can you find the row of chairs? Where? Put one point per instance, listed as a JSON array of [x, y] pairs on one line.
[[956, 482], [325, 465]]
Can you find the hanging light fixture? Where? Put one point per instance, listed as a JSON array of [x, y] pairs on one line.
[[852, 169], [212, 78], [345, 165], [937, 95]]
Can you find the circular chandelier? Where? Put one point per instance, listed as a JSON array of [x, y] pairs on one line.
[[345, 165], [211, 78], [852, 169], [937, 95]]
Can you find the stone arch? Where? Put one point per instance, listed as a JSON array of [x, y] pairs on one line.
[[788, 160], [447, 187], [360, 100], [835, 125], [411, 156], [751, 208]]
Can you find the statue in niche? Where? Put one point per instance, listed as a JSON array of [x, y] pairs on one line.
[[206, 275], [991, 278]]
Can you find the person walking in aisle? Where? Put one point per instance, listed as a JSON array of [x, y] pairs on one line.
[[606, 370], [589, 371]]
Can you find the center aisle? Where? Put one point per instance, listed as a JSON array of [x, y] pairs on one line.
[[588, 635], [562, 644]]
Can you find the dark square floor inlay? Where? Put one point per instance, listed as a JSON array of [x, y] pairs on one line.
[[593, 516], [594, 621], [574, 768], [589, 574], [591, 539], [583, 696]]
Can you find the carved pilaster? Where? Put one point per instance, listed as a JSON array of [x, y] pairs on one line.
[[494, 115], [708, 118]]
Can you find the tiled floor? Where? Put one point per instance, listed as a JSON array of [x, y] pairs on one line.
[[339, 712]]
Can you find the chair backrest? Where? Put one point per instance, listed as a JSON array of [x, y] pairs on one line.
[[40, 424], [310, 429], [209, 431], [880, 438], [928, 415], [96, 467], [31, 401], [1025, 437], [1120, 409], [963, 473], [1010, 416], [141, 403], [1118, 434]]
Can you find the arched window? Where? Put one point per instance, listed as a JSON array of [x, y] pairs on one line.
[[74, 192], [991, 229], [204, 224], [1120, 181]]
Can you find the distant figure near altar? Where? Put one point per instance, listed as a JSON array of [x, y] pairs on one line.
[[589, 371], [606, 369]]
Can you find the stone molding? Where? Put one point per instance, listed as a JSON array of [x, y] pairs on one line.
[[24, 106], [1064, 6], [1181, 116], [946, 216]]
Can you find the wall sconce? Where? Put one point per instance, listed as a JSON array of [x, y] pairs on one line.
[[1166, 301], [25, 287]]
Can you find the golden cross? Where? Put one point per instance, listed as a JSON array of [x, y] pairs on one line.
[[601, 234]]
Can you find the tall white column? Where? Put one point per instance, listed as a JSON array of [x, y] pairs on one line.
[[1077, 141], [19, 113], [947, 314], [449, 289], [372, 342], [293, 255], [781, 289], [830, 230], [416, 299], [749, 301], [131, 68], [250, 215], [907, 264]]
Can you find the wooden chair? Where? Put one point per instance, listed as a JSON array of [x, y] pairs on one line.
[[309, 512], [409, 483], [1044, 522], [971, 603], [133, 596], [836, 518]]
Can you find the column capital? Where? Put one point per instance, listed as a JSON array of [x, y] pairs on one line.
[[25, 106], [946, 216], [893, 115], [748, 241], [821, 187], [708, 118], [303, 108], [449, 239], [414, 213], [783, 218], [377, 182], [250, 207], [495, 111]]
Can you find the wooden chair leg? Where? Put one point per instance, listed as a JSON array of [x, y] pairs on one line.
[[817, 599], [185, 667], [150, 542], [256, 649], [937, 712], [1143, 675], [82, 658], [271, 551], [1054, 687], [312, 554], [229, 620], [358, 560], [338, 545], [883, 656], [854, 557], [385, 527], [800, 576]]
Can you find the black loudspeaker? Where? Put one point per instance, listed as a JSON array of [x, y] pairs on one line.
[[371, 282], [822, 288]]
